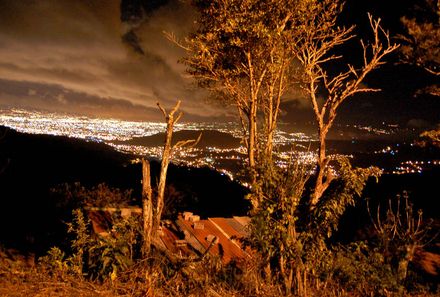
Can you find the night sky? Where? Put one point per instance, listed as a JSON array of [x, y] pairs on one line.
[[111, 59]]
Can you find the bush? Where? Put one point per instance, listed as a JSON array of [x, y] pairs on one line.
[[72, 196], [362, 269], [94, 256], [291, 236]]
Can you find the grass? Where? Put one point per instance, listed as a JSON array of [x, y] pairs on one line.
[[21, 276]]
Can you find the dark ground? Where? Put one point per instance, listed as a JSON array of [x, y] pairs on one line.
[[32, 220]]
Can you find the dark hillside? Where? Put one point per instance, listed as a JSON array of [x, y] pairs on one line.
[[30, 165], [210, 138], [422, 189]]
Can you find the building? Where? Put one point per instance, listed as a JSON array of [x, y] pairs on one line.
[[188, 236]]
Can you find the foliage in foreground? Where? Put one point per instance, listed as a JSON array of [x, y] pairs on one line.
[[293, 253], [96, 257], [294, 240], [354, 273]]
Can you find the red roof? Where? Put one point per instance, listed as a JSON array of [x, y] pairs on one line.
[[174, 244], [220, 235], [228, 247]]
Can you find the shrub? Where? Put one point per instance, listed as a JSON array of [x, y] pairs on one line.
[[291, 236], [94, 256]]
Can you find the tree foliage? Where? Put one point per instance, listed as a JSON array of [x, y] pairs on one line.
[[421, 43], [243, 51], [292, 239], [421, 47], [342, 194], [102, 195], [96, 257], [250, 53]]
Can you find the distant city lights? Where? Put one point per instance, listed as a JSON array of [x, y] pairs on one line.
[[114, 131]]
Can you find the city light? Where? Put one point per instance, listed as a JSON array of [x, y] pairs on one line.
[[227, 161]]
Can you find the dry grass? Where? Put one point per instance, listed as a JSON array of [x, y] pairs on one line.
[[19, 276]]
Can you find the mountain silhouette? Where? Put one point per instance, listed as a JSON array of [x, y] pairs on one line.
[[210, 138]]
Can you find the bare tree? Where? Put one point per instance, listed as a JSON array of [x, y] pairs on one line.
[[171, 119], [147, 207], [153, 208], [322, 37]]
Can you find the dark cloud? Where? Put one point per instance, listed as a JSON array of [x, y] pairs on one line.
[[78, 46], [133, 14], [56, 98], [133, 41], [135, 11], [110, 57]]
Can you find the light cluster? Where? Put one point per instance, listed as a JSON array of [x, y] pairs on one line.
[[115, 132], [95, 129], [409, 167], [377, 131], [106, 130], [228, 161]]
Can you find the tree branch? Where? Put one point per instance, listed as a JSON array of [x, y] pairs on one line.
[[190, 143]]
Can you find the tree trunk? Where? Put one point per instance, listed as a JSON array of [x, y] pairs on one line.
[[163, 171], [320, 185], [252, 135], [147, 207], [269, 125]]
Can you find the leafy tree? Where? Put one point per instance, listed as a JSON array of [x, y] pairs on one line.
[[242, 51], [274, 225], [246, 51], [96, 257], [250, 52], [421, 42], [421, 47], [341, 194], [293, 241]]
